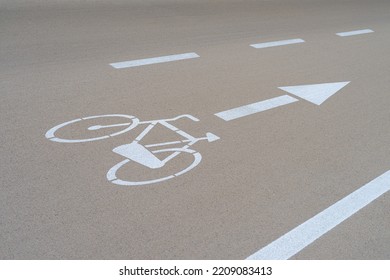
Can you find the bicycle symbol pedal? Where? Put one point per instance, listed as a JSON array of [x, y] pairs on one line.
[[144, 155]]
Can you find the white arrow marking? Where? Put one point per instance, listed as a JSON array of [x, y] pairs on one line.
[[297, 239], [316, 93], [257, 107]]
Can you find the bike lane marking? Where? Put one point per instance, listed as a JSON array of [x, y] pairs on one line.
[[315, 93], [153, 60], [277, 43], [257, 107], [355, 32], [50, 134], [303, 235]]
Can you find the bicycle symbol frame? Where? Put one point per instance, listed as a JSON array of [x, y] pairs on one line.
[[136, 152]]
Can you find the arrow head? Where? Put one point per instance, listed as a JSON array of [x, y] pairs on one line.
[[316, 93]]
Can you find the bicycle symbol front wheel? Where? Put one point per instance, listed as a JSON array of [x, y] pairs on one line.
[[131, 122], [112, 177]]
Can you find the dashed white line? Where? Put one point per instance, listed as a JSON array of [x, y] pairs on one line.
[[277, 43], [257, 107], [153, 60], [355, 32], [297, 239]]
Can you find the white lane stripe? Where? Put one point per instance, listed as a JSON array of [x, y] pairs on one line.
[[294, 241], [356, 32], [277, 43], [153, 60], [257, 107]]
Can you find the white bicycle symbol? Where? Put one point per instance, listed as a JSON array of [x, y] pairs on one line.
[[137, 152]]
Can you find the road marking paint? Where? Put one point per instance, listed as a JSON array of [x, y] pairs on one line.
[[297, 239], [153, 60], [50, 133], [257, 107], [139, 153], [355, 32], [277, 43], [317, 93]]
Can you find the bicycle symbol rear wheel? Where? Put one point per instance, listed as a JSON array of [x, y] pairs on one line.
[[112, 177], [131, 123]]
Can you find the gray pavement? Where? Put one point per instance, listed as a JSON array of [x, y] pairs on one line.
[[268, 173]]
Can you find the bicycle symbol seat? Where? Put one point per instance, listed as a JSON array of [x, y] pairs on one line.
[[144, 155]]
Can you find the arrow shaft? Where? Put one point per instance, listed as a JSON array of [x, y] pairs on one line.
[[257, 107]]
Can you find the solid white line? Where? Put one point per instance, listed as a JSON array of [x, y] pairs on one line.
[[153, 60], [356, 32], [257, 107], [303, 235], [277, 43]]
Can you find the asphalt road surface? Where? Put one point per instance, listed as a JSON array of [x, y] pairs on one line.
[[296, 166]]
